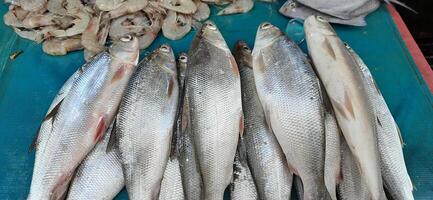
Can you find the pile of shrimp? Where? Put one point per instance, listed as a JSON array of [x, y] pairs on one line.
[[69, 25]]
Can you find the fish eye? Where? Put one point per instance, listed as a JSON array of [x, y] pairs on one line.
[[183, 58], [210, 26], [164, 48], [292, 5], [320, 18], [126, 38], [265, 25]]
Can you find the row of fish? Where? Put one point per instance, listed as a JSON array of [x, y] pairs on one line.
[[349, 12], [260, 122]]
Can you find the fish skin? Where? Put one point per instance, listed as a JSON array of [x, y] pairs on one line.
[[215, 108], [242, 186], [394, 173], [80, 119], [291, 97], [145, 123], [352, 185], [171, 185], [294, 9], [99, 176], [343, 82], [265, 157]]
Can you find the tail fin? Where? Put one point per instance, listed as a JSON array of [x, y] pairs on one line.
[[400, 4]]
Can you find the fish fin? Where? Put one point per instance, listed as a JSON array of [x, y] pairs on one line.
[[34, 144], [399, 135], [242, 151], [170, 86], [112, 140], [345, 108], [241, 125], [267, 118], [53, 112], [401, 4], [328, 47]]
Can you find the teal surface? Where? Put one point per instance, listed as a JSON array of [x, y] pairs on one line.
[[29, 83]]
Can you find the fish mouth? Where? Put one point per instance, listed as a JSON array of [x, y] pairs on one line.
[[318, 24], [125, 49], [267, 33]]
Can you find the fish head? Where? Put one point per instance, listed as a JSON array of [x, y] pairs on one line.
[[243, 54], [266, 34], [126, 50], [210, 33], [164, 57], [182, 62], [318, 25]]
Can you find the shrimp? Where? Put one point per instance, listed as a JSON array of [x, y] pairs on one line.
[[129, 24], [32, 5], [36, 20], [202, 12], [127, 7], [107, 5], [181, 6], [57, 6], [89, 38], [29, 34], [176, 25], [80, 24], [155, 22], [239, 6], [58, 46]]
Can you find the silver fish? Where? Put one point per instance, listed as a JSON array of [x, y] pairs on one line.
[[294, 9], [343, 82], [145, 123], [352, 185], [265, 156], [290, 94], [171, 185], [242, 186], [78, 121], [215, 108], [191, 178], [99, 176], [394, 173]]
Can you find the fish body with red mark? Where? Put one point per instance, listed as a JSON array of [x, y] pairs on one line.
[[290, 94], [145, 123], [78, 120], [213, 93], [343, 82]]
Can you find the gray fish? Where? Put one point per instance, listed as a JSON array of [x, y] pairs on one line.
[[171, 185], [145, 123], [265, 157], [394, 173], [290, 94], [242, 186], [215, 108], [99, 176], [191, 178], [294, 9], [343, 82], [352, 185], [80, 118]]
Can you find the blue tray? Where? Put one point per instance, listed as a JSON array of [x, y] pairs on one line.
[[29, 83]]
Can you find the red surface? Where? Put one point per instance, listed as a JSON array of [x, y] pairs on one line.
[[413, 48]]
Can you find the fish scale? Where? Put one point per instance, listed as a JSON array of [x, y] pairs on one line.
[[289, 91], [145, 122], [265, 157], [78, 121], [215, 108]]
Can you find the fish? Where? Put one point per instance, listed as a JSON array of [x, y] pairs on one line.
[[343, 9], [352, 185], [290, 94], [171, 185], [396, 179], [100, 175], [293, 9], [191, 178], [213, 92], [343, 82], [79, 117], [264, 155], [242, 186], [144, 125]]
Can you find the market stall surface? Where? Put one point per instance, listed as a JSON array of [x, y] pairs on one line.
[[29, 83]]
